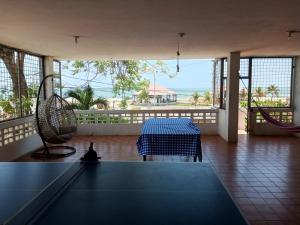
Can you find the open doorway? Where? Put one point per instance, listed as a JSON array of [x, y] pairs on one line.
[[244, 97], [243, 107]]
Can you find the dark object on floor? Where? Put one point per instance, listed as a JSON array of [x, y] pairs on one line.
[[91, 154], [56, 123], [135, 193]]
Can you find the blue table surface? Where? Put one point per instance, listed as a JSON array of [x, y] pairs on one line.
[[143, 193], [20, 182], [172, 126]]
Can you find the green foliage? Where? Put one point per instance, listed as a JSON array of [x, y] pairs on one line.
[[159, 67], [143, 85], [244, 104], [11, 105], [259, 93], [272, 103], [124, 104], [125, 74], [195, 98], [85, 99], [28, 101], [207, 97], [103, 119], [266, 103], [143, 96], [243, 94], [7, 107], [273, 90], [86, 67]]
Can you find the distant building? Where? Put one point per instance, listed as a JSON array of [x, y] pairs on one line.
[[157, 95]]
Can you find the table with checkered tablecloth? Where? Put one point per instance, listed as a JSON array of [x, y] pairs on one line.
[[170, 136]]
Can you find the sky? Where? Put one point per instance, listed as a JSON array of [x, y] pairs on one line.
[[194, 74]]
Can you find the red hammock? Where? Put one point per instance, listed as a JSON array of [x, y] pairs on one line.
[[274, 122]]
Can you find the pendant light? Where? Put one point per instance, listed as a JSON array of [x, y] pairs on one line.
[[180, 35]]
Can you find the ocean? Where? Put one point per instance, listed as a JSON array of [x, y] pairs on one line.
[[181, 92]]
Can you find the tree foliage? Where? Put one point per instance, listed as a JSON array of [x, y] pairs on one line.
[[124, 74], [243, 94], [207, 97], [143, 96], [273, 90], [85, 99], [196, 98], [158, 68], [259, 93]]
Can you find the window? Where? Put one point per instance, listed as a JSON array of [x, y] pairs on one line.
[[216, 83], [244, 83], [20, 74], [271, 84], [267, 80], [223, 83], [57, 77]]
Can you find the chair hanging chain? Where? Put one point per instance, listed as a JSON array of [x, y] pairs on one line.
[[180, 35], [178, 54]]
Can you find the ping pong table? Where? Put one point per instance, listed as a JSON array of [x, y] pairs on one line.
[[143, 193]]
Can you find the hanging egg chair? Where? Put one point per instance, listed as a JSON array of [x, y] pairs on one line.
[[55, 123]]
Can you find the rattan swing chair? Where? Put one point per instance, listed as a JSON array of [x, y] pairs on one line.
[[55, 123]]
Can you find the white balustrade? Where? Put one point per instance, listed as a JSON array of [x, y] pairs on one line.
[[15, 130], [129, 122], [259, 126]]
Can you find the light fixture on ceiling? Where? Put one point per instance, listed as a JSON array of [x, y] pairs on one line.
[[76, 38], [180, 35], [291, 33]]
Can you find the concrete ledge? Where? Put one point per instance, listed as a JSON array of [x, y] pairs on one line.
[[131, 129], [16, 149]]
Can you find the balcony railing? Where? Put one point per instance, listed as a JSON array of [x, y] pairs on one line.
[[129, 122], [15, 130], [259, 126]]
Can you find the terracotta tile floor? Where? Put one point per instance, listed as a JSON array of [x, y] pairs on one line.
[[261, 173]]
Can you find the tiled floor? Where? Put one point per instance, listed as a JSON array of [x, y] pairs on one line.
[[261, 173]]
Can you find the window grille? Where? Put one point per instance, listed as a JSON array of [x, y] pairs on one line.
[[20, 74], [57, 77], [268, 81], [271, 81], [217, 83], [223, 83]]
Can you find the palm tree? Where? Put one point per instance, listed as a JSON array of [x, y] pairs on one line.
[[195, 98], [85, 99], [207, 97], [273, 90], [143, 96], [259, 93], [243, 94]]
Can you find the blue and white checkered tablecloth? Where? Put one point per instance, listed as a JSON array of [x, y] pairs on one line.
[[169, 136]]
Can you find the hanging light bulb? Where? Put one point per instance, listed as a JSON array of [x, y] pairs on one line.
[[76, 38], [180, 35], [177, 66]]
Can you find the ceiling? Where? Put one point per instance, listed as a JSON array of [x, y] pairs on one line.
[[147, 29]]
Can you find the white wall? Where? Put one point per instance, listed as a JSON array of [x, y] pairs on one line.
[[131, 129], [228, 118], [297, 93], [48, 67], [222, 126], [16, 149]]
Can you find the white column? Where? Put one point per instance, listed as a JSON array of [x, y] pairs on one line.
[[228, 118], [296, 93], [48, 68]]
